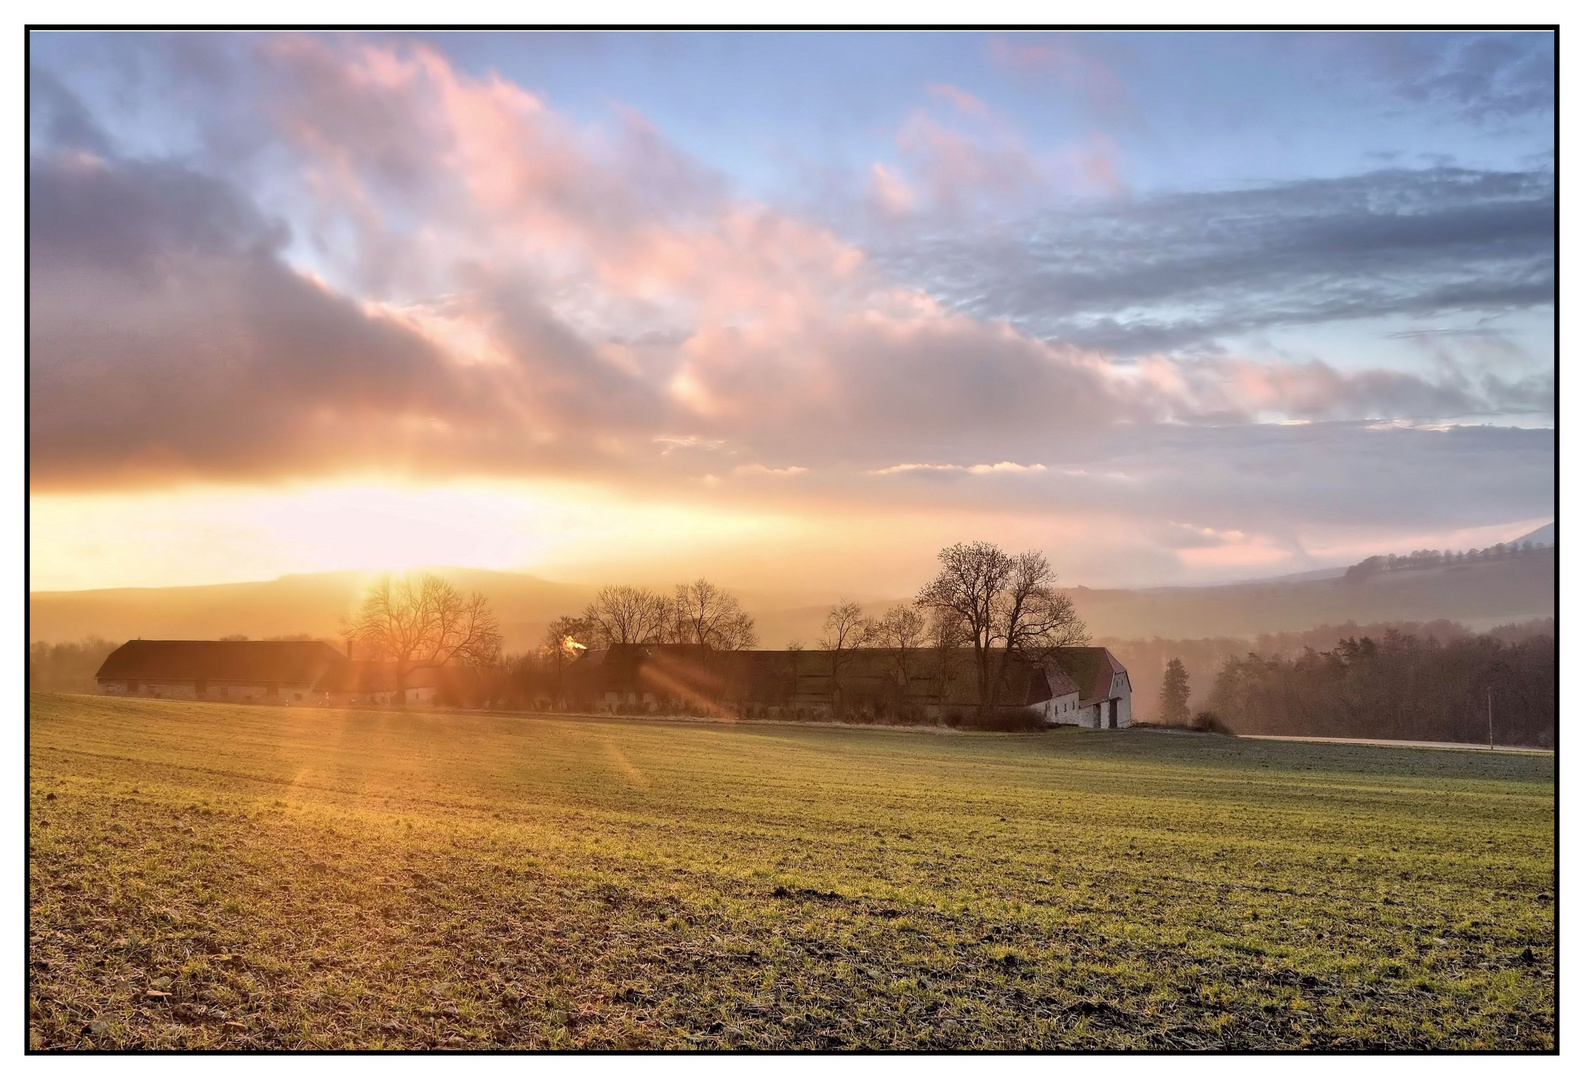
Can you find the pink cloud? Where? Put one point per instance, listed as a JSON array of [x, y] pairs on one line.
[[526, 295], [889, 192], [1092, 166], [1059, 58], [962, 99], [963, 165]]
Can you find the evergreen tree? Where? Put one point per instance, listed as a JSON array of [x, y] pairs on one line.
[[1174, 693]]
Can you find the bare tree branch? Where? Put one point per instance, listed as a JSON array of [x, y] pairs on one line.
[[706, 614], [846, 629], [1006, 607], [624, 615]]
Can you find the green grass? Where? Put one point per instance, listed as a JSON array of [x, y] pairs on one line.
[[230, 876]]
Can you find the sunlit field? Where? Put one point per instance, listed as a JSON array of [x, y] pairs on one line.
[[253, 877]]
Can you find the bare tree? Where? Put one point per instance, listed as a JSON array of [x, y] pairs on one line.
[[1005, 606], [424, 623], [846, 630], [1032, 618], [947, 640], [706, 614], [971, 576], [901, 633], [624, 615], [566, 638]]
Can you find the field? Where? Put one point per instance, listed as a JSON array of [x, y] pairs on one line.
[[243, 877]]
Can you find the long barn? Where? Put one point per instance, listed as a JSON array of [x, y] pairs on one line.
[[282, 672], [1084, 687]]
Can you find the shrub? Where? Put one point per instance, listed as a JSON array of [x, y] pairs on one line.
[[1208, 721]]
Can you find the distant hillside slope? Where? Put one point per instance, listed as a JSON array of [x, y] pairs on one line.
[[1478, 595], [300, 604], [1544, 536]]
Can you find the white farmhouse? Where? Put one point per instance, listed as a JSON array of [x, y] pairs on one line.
[[1090, 688]]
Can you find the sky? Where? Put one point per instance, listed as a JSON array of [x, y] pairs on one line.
[[789, 310]]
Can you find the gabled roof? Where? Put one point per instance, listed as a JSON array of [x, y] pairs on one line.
[[293, 662], [1061, 684], [1091, 668]]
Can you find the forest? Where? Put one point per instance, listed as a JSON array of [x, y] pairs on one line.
[[1431, 559], [1469, 688]]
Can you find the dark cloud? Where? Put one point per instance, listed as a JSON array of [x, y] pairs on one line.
[[1485, 78], [1182, 271], [1489, 79], [167, 336], [57, 119]]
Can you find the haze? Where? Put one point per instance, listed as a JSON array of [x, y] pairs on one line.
[[785, 310]]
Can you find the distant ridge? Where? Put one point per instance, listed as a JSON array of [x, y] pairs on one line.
[[1544, 536], [1479, 595]]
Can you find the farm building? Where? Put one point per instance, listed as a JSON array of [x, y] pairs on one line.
[[1104, 695], [1087, 687], [285, 672], [264, 671], [372, 682]]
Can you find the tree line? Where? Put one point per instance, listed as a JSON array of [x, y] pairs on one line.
[[993, 605], [1429, 559], [1402, 686], [1146, 658], [67, 667], [985, 610]]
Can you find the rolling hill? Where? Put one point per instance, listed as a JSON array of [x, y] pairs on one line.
[[1479, 595]]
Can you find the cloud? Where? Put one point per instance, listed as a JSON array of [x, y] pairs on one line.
[[1179, 536], [1218, 390], [756, 469], [56, 118], [889, 192], [1059, 58], [972, 470], [1281, 482], [961, 99], [1480, 78], [971, 158], [959, 155], [1185, 270], [442, 275], [166, 335]]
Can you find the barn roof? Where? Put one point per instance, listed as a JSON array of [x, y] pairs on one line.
[[699, 674], [1091, 669], [1061, 684], [296, 662]]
